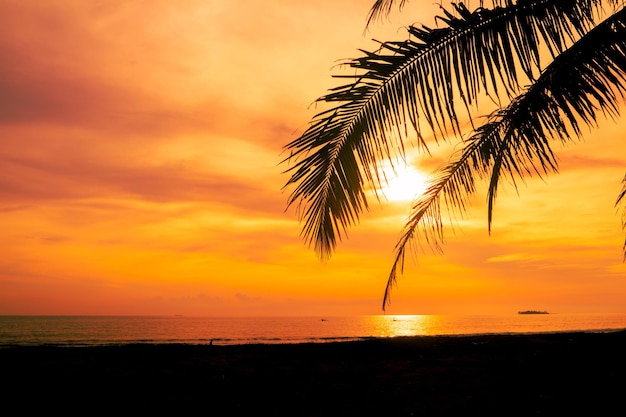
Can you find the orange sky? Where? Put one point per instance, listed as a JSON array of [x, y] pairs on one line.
[[140, 144]]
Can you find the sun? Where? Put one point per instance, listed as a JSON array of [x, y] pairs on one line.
[[405, 184]]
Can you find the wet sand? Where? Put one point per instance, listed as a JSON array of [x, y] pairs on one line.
[[490, 375]]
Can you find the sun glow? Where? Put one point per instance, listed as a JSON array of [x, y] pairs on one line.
[[405, 184]]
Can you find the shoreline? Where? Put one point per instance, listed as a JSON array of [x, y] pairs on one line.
[[489, 374], [278, 342]]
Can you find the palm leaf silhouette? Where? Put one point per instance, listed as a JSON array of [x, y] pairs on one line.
[[418, 85]]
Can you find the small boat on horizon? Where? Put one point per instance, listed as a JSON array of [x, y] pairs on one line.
[[533, 312]]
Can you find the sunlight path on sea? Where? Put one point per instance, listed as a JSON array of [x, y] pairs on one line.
[[102, 330]]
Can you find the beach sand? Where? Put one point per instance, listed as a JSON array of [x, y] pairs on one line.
[[489, 375]]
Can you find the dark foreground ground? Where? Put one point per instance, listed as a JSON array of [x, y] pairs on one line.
[[519, 375]]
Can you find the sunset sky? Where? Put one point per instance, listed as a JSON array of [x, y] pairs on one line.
[[140, 150]]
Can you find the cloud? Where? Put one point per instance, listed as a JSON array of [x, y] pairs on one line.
[[27, 180], [199, 299], [590, 162], [516, 257], [246, 298]]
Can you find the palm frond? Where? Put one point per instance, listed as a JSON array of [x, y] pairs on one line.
[[382, 8], [621, 199], [415, 83], [583, 82]]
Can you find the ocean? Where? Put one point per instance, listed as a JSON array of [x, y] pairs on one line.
[[116, 330]]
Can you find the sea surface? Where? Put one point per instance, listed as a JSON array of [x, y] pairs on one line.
[[115, 330]]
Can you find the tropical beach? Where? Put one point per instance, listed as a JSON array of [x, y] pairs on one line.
[[565, 373], [183, 233]]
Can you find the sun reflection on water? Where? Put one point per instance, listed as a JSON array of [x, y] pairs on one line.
[[405, 325]]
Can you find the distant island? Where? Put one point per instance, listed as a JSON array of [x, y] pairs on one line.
[[533, 312]]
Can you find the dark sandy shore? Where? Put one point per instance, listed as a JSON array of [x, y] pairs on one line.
[[494, 375]]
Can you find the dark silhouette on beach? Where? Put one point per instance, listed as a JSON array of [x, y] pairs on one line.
[[556, 374]]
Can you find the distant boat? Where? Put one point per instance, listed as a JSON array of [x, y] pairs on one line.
[[533, 312]]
